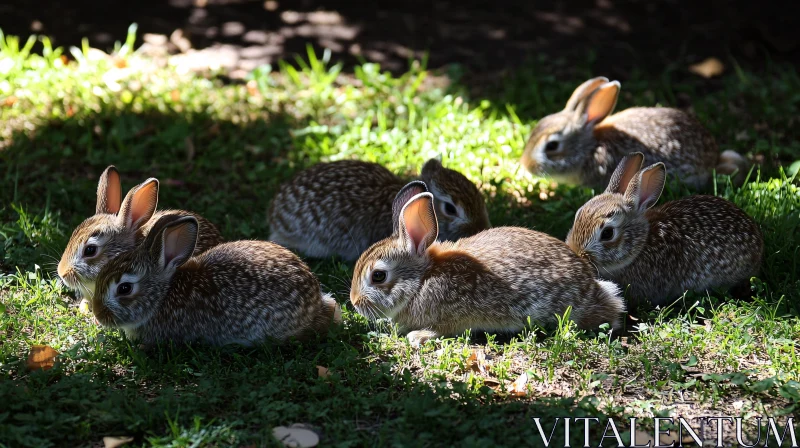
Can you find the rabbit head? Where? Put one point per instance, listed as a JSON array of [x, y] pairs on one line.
[[459, 204], [111, 231], [564, 142], [130, 287], [611, 229], [389, 273]]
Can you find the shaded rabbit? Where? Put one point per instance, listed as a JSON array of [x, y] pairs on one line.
[[241, 292], [694, 243], [492, 281], [116, 227], [583, 143], [341, 208]]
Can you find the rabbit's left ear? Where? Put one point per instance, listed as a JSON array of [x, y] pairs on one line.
[[405, 194], [645, 188], [418, 225], [599, 104], [178, 239]]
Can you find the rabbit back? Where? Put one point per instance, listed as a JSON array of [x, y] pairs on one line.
[[695, 243], [496, 279], [662, 134], [240, 292], [338, 208]]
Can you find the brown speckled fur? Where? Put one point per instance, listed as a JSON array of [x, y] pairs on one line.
[[588, 154], [694, 243], [341, 208], [79, 273], [241, 292], [491, 281]]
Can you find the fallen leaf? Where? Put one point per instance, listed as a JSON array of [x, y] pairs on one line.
[[322, 372], [491, 382], [41, 357], [518, 388], [708, 68], [477, 361], [295, 437], [114, 442]]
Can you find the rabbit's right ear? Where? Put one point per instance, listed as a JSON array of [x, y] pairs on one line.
[[625, 171], [177, 242], [599, 104], [418, 225], [109, 192], [139, 204], [583, 91], [404, 195], [645, 188]]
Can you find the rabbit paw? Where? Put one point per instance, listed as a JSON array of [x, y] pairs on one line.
[[419, 337]]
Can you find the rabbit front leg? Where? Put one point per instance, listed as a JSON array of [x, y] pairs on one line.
[[420, 337]]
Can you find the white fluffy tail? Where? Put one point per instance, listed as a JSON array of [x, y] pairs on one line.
[[733, 164]]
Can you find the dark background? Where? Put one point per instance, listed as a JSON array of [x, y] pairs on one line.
[[487, 37]]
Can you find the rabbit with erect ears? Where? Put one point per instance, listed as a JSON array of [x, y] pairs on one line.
[[116, 227], [492, 281], [694, 243], [583, 143], [241, 292]]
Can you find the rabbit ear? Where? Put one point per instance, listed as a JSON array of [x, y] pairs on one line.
[[418, 225], [645, 188], [404, 195], [109, 192], [139, 204], [431, 166], [177, 241], [599, 104], [626, 170], [583, 91]]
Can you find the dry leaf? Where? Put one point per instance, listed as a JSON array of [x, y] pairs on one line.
[[296, 437], [41, 357], [518, 388], [708, 68], [477, 361], [322, 372], [114, 442], [10, 100]]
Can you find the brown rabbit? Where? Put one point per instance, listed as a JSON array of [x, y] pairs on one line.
[[242, 292], [493, 281], [116, 227], [694, 243], [341, 208], [583, 143]]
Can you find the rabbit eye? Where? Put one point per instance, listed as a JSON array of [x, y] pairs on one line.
[[607, 234], [378, 276], [90, 250], [450, 209], [124, 289], [551, 146]]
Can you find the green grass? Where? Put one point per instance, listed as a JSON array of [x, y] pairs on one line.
[[223, 149]]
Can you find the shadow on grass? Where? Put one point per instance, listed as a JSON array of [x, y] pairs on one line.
[[103, 385]]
